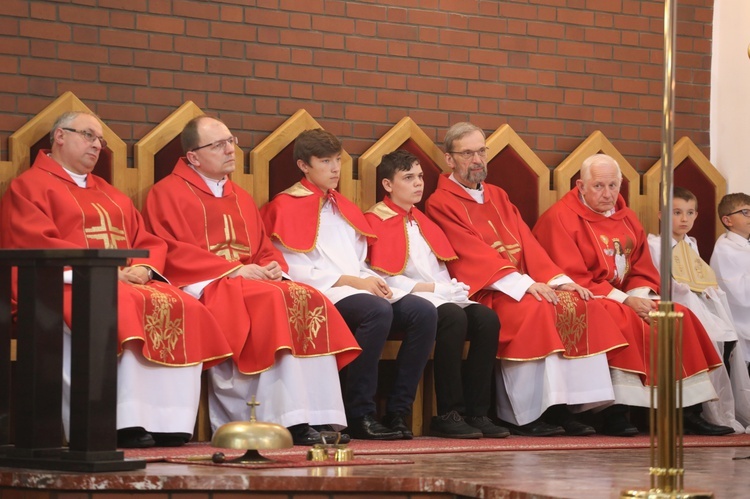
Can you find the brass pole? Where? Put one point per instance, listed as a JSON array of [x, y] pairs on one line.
[[666, 469]]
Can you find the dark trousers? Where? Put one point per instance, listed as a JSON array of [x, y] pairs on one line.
[[371, 319], [465, 389]]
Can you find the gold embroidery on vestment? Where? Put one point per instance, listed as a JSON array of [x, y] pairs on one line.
[[105, 231], [163, 331], [230, 249], [570, 324], [306, 322]]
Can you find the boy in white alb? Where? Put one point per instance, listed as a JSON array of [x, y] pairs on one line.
[[694, 285]]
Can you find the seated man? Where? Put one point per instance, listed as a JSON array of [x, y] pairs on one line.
[[287, 339], [554, 337], [164, 335], [324, 238], [731, 263], [694, 286], [598, 241], [411, 252]]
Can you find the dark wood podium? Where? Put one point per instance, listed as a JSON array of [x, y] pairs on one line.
[[36, 388]]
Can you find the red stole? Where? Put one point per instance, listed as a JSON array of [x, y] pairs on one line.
[[390, 252], [293, 216]]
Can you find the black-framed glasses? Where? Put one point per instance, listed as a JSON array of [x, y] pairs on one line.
[[469, 154], [745, 212], [88, 136], [218, 145]]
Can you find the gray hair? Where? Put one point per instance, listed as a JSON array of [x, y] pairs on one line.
[[457, 132], [64, 120], [598, 160]]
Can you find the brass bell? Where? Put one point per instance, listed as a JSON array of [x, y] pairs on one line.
[[252, 436], [318, 452], [343, 453]]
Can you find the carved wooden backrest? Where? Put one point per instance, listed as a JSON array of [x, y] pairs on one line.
[[273, 167], [512, 165], [157, 153], [26, 142], [404, 135], [693, 171], [568, 171]]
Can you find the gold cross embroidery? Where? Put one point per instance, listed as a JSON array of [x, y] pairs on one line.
[[500, 247], [229, 248], [105, 231]]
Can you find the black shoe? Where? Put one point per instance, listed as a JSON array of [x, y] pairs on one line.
[[616, 424], [170, 439], [134, 438], [396, 422], [368, 428], [694, 424], [575, 428], [487, 427], [536, 428], [344, 438], [560, 415], [304, 434], [452, 425]]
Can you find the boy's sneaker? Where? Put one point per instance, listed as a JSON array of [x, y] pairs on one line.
[[487, 427], [452, 425]]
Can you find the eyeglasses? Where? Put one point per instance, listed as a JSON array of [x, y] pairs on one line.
[[88, 136], [745, 213], [219, 144], [467, 155]]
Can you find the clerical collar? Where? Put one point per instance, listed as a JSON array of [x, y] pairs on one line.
[[78, 178], [216, 186], [476, 194], [607, 213]]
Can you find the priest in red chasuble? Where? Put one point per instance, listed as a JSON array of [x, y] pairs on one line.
[[555, 338], [599, 242], [288, 340], [164, 334]]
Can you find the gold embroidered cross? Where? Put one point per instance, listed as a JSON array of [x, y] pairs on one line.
[[105, 231], [229, 248]]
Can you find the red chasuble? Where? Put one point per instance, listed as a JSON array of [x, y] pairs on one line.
[[603, 253], [492, 241], [45, 208], [210, 237], [390, 252], [293, 217]]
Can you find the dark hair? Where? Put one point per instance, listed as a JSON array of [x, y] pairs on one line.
[[684, 194], [730, 203], [189, 137], [399, 160], [316, 142]]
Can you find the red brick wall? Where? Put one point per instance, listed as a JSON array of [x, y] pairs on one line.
[[556, 70]]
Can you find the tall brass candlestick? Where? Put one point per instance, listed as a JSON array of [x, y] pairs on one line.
[[665, 415]]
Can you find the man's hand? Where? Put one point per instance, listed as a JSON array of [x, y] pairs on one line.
[[270, 272], [571, 286], [133, 275], [642, 306], [374, 285], [540, 290]]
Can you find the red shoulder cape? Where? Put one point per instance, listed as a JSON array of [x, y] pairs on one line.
[[293, 216], [390, 252]]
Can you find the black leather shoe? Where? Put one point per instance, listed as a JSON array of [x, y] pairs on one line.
[[575, 428], [368, 428], [344, 438], [134, 438], [536, 428], [170, 439], [452, 425], [304, 434], [396, 422], [694, 424], [487, 427], [617, 424]]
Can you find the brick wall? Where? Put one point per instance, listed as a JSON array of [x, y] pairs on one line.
[[556, 70]]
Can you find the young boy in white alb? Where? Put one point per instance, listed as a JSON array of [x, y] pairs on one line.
[[694, 285]]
